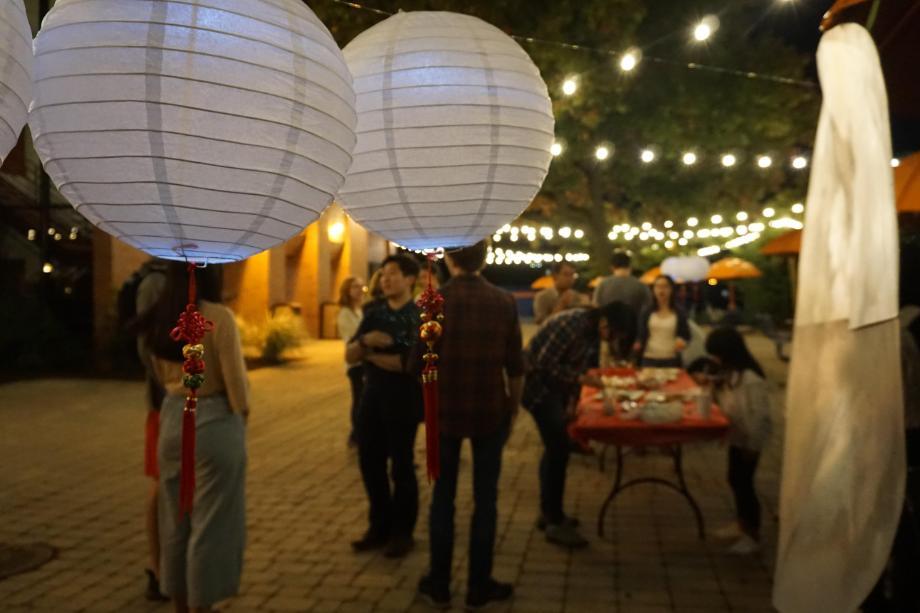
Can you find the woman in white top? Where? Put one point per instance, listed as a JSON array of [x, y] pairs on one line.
[[351, 296], [743, 395], [663, 329]]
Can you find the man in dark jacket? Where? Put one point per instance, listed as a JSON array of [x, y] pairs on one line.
[[480, 380]]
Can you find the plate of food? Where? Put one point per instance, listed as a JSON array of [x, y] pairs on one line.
[[661, 412]]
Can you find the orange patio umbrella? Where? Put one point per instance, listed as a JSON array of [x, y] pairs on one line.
[[595, 282], [650, 275], [731, 269], [544, 282]]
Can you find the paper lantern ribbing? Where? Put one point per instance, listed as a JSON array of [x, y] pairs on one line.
[[455, 127], [203, 130], [15, 73]]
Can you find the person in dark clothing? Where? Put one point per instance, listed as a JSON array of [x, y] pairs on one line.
[[664, 331], [559, 356], [480, 348], [391, 408]]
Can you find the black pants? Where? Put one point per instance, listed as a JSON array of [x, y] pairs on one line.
[[356, 378], [383, 440], [742, 463], [487, 463], [552, 422]]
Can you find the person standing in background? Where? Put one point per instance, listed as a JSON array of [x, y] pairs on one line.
[[622, 286], [561, 296], [390, 411], [480, 350], [351, 297], [664, 331]]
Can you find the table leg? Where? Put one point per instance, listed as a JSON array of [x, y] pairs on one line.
[[618, 476], [680, 487]]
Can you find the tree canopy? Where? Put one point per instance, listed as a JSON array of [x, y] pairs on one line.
[[662, 104]]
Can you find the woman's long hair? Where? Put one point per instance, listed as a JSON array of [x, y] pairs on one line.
[[345, 292], [622, 319], [672, 301], [156, 324], [728, 346]]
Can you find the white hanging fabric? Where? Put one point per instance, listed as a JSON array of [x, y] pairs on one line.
[[844, 465]]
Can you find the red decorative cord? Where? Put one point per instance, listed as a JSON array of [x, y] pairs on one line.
[[190, 328], [431, 302]]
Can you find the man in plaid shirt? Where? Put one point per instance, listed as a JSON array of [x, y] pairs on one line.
[[481, 348], [560, 354]]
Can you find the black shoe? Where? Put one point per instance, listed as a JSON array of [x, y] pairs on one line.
[[153, 592], [438, 596], [370, 541], [571, 521], [399, 547], [493, 591]]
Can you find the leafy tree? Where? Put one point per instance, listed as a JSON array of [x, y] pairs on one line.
[[662, 104]]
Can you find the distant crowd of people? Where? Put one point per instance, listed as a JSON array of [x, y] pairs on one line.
[[485, 374]]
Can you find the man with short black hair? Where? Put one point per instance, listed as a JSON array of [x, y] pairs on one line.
[[561, 296], [390, 410], [622, 286], [480, 348]]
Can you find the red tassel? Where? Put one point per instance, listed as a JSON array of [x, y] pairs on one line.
[[432, 429], [191, 328], [187, 475], [432, 305]]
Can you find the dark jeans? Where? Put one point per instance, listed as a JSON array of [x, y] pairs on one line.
[[381, 441], [552, 422], [742, 463], [487, 464], [356, 378]]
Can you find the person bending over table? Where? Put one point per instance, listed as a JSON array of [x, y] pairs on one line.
[[558, 357], [743, 394], [664, 331]]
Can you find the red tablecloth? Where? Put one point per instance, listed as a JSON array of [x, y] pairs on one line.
[[592, 424]]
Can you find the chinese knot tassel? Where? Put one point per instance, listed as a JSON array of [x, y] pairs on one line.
[[190, 328], [432, 305]]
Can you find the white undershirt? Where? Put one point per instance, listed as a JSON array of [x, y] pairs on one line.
[[662, 336]]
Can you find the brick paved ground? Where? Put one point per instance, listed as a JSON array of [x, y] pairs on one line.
[[70, 474]]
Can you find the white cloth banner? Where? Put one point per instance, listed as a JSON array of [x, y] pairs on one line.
[[844, 465]]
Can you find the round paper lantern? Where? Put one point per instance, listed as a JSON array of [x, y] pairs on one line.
[[454, 131], [193, 129], [686, 269], [15, 73]]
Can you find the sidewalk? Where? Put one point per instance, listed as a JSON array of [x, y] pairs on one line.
[[71, 475]]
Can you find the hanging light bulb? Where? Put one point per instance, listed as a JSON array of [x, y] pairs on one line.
[[602, 153], [741, 216], [769, 212], [799, 162], [764, 161], [716, 219], [669, 224], [704, 30], [798, 208], [647, 156], [729, 160], [569, 86], [630, 59], [689, 158], [556, 149], [693, 222]]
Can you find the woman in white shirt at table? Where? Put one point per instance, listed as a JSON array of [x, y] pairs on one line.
[[351, 296], [742, 392], [663, 329]]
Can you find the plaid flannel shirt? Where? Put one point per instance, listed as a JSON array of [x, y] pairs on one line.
[[561, 351], [480, 346]]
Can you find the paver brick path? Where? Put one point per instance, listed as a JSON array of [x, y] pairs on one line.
[[71, 475]]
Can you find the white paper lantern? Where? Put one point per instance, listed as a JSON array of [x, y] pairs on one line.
[[686, 269], [455, 128], [207, 130], [15, 73]]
